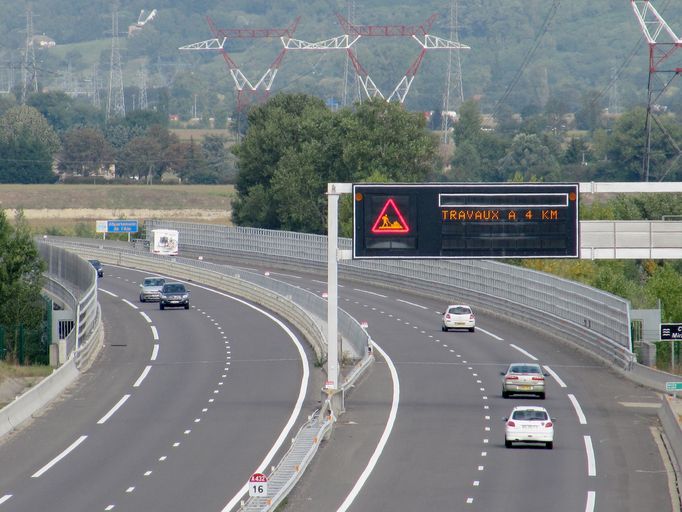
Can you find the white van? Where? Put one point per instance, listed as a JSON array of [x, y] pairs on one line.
[[164, 241]]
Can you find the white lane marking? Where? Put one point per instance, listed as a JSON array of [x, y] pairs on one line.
[[147, 473], [155, 333], [107, 292], [59, 457], [591, 499], [578, 409], [325, 283], [470, 500], [643, 405], [384, 436], [302, 392], [142, 376], [146, 317], [527, 354], [591, 466], [110, 507], [412, 304], [370, 293], [490, 334], [115, 408], [155, 352], [5, 498], [556, 377], [130, 489], [130, 304]]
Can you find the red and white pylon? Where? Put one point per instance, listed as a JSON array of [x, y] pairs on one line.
[[246, 90], [663, 43]]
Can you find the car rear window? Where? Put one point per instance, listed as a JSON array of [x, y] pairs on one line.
[[153, 282], [459, 310], [524, 369], [174, 288], [530, 415]]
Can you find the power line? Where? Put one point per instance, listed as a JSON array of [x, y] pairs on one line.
[[538, 38]]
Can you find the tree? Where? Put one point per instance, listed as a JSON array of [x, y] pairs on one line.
[[529, 158], [85, 151], [468, 125], [27, 147], [295, 145], [21, 281], [141, 159]]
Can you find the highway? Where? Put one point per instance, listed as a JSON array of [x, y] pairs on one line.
[[440, 417], [183, 405], [177, 412]]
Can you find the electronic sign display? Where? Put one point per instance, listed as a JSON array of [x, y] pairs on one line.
[[466, 220]]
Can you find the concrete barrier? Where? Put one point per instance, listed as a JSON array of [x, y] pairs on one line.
[[26, 405]]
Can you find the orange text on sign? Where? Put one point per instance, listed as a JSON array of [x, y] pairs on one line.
[[478, 215]]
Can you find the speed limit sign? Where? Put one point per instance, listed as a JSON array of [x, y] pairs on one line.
[[258, 485]]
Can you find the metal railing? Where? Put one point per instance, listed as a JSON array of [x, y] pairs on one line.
[[74, 281]]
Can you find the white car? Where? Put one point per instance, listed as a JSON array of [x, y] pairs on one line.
[[529, 424], [459, 316], [150, 289]]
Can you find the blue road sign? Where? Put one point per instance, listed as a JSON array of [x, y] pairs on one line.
[[121, 226]]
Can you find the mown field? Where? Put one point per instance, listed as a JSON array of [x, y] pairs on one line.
[[61, 209]]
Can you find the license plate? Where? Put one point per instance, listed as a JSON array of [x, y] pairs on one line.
[[526, 388], [460, 323]]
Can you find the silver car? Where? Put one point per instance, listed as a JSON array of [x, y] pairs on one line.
[[150, 289], [524, 378]]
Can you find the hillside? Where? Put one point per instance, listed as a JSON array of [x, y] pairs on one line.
[[579, 47]]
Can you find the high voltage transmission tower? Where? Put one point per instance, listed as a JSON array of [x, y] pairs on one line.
[[347, 75], [454, 92], [142, 84], [352, 33], [663, 45], [115, 101], [29, 73]]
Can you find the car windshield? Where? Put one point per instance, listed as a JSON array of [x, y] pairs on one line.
[[174, 288], [153, 282], [459, 310], [95, 263], [529, 415], [524, 369]]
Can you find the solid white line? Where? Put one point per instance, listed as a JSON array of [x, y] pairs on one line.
[[155, 333], [384, 437], [141, 377], [527, 354], [59, 457], [591, 499], [155, 352], [591, 466], [369, 293], [302, 392], [5, 498], [146, 317], [556, 377], [490, 334], [412, 304], [115, 408], [107, 292], [578, 409], [130, 304]]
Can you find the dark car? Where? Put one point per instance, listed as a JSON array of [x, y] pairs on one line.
[[98, 267], [174, 295]]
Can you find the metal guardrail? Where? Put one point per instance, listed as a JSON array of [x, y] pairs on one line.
[[592, 319], [287, 473]]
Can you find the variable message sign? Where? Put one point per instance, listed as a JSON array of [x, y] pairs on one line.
[[466, 220]]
